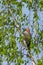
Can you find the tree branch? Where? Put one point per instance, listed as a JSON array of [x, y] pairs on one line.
[[31, 57]]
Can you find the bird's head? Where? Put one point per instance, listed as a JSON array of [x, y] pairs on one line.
[[27, 31]]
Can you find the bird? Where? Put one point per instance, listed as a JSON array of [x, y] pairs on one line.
[[27, 38], [27, 43]]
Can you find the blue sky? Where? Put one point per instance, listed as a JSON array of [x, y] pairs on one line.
[[25, 11]]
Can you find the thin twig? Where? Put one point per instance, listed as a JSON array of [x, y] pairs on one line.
[[31, 57]]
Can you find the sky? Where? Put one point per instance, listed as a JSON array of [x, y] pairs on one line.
[[25, 11]]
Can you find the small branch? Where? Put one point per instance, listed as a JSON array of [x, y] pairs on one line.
[[16, 25], [31, 57], [29, 54]]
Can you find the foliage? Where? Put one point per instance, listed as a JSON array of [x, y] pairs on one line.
[[11, 22]]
